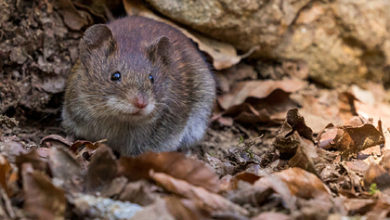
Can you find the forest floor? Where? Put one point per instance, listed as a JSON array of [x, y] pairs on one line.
[[279, 146]]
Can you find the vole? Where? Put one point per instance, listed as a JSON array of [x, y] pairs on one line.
[[140, 84]]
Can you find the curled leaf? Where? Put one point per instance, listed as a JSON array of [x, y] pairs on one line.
[[172, 163]]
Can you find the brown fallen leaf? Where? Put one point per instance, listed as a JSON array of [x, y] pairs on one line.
[[321, 108], [142, 192], [270, 110], [205, 199], [299, 189], [56, 138], [157, 210], [99, 8], [79, 144], [115, 188], [101, 170], [372, 103], [356, 206], [288, 139], [8, 176], [326, 138], [381, 208], [172, 163], [247, 114], [303, 184], [385, 161], [223, 54], [305, 157], [84, 150], [357, 166], [378, 175], [243, 176], [32, 157], [6, 209], [278, 186], [65, 167], [228, 77], [185, 209], [73, 18], [297, 122], [256, 196], [350, 139], [300, 183], [271, 216], [43, 200], [258, 89], [355, 139]]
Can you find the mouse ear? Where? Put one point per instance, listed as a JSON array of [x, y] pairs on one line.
[[160, 49], [97, 41]]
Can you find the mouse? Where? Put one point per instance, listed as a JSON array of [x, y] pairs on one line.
[[140, 84]]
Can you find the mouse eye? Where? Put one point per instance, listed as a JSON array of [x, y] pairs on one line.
[[151, 78], [116, 76]]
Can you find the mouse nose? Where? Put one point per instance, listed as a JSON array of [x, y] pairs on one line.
[[140, 102]]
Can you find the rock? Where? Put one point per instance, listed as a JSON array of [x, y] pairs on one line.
[[345, 41]]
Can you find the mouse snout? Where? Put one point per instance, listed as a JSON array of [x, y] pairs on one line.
[[140, 102]]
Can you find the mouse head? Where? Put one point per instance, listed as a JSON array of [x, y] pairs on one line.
[[128, 83]]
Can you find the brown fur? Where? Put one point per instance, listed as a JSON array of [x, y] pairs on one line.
[[183, 88]]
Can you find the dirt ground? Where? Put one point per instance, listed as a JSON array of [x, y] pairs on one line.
[[278, 147]]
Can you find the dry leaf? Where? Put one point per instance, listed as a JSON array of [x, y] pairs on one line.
[[243, 176], [249, 194], [77, 145], [257, 89], [357, 166], [101, 170], [350, 139], [32, 157], [56, 138], [296, 182], [64, 167], [278, 186], [303, 184], [358, 206], [8, 176], [141, 192], [372, 103], [297, 122], [378, 175], [172, 163], [326, 139], [157, 210], [305, 156], [228, 77], [184, 209], [99, 8], [42, 199], [321, 108], [288, 139], [73, 18], [271, 216], [355, 139], [205, 199], [385, 161]]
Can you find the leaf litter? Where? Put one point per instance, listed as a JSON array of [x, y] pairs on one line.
[[278, 147]]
